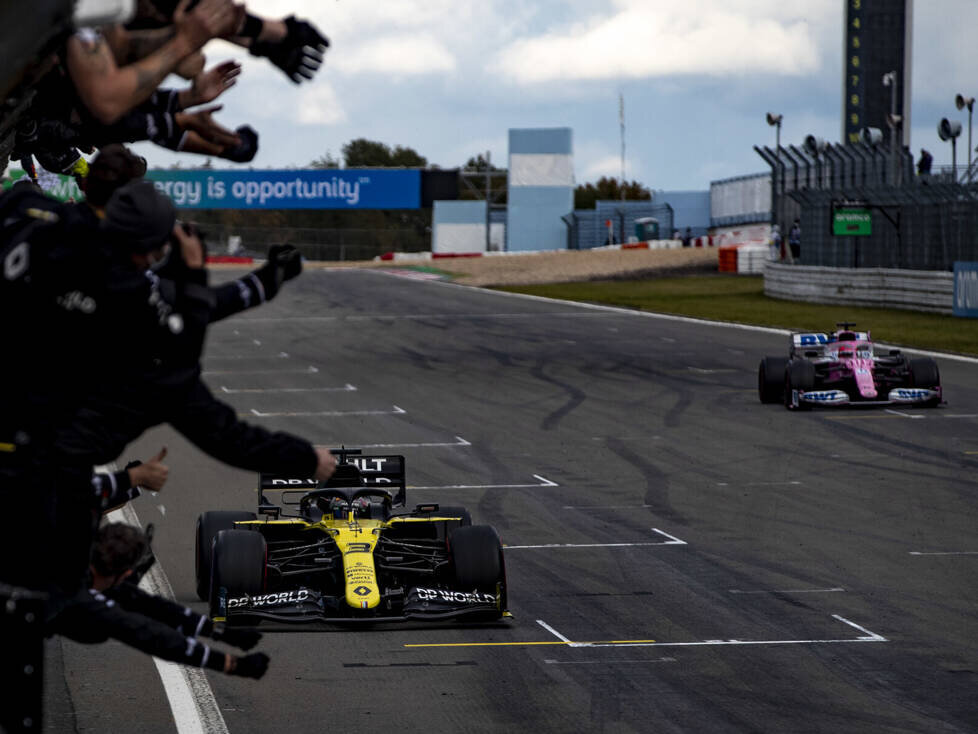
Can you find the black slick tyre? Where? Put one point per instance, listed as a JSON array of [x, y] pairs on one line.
[[924, 374], [477, 559], [799, 376], [237, 565], [770, 379], [209, 524]]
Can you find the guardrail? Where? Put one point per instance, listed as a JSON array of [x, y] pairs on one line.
[[914, 290]]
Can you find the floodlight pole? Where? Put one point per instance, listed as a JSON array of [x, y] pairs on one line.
[[775, 121], [890, 80], [488, 200]]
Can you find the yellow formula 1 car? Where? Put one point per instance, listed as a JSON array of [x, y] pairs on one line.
[[348, 550]]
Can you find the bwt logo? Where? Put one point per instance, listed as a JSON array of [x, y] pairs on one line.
[[810, 340], [912, 394], [822, 396]]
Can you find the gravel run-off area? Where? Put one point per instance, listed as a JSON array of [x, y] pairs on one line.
[[561, 266]]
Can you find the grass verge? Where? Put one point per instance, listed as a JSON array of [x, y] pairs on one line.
[[741, 299]]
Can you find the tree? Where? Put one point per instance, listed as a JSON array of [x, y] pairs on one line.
[[607, 189], [407, 158], [479, 163], [363, 153], [326, 160]]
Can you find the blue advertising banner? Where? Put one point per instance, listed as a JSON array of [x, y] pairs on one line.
[[966, 289], [330, 188]]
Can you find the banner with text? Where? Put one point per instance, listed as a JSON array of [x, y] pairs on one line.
[[330, 188]]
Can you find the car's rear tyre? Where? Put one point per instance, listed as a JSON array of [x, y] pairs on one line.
[[477, 557], [770, 379], [454, 511], [238, 565], [800, 376], [209, 525], [924, 374]]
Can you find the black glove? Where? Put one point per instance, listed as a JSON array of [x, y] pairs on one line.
[[299, 54], [284, 263], [244, 639], [251, 666], [246, 149]]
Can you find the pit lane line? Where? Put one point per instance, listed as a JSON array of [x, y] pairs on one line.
[[253, 413], [565, 641], [671, 540], [231, 390], [459, 442], [311, 369], [189, 693], [544, 482]]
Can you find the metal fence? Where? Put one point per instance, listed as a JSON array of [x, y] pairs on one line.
[[916, 227], [917, 222], [586, 228]]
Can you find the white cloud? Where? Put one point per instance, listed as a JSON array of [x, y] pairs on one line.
[[404, 55], [320, 105], [641, 41], [592, 168]]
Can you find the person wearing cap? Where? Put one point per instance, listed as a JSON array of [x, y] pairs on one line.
[[65, 409], [114, 607]]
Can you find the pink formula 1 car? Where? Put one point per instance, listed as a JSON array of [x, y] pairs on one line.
[[843, 369]]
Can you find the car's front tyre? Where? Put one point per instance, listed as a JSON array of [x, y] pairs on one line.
[[237, 565], [770, 379]]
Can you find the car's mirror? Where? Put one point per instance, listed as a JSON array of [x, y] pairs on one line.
[[894, 352], [273, 511]]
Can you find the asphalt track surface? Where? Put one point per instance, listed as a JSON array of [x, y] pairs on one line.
[[681, 558]]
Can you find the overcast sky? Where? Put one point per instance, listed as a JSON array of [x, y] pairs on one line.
[[450, 77]]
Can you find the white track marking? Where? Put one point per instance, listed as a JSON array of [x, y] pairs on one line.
[[559, 636], [870, 636], [609, 662], [944, 553], [790, 591], [672, 540], [307, 371], [424, 317], [280, 355], [902, 414], [544, 482], [680, 319], [866, 637], [766, 484], [192, 702], [229, 390], [459, 441], [605, 507], [331, 413]]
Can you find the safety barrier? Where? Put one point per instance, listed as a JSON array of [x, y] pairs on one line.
[[915, 290]]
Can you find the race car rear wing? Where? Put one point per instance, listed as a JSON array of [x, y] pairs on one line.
[[352, 470], [816, 342]]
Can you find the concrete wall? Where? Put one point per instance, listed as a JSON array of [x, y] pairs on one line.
[[541, 188], [915, 290], [458, 226]]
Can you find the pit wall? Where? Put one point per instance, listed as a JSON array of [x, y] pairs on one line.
[[913, 290]]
